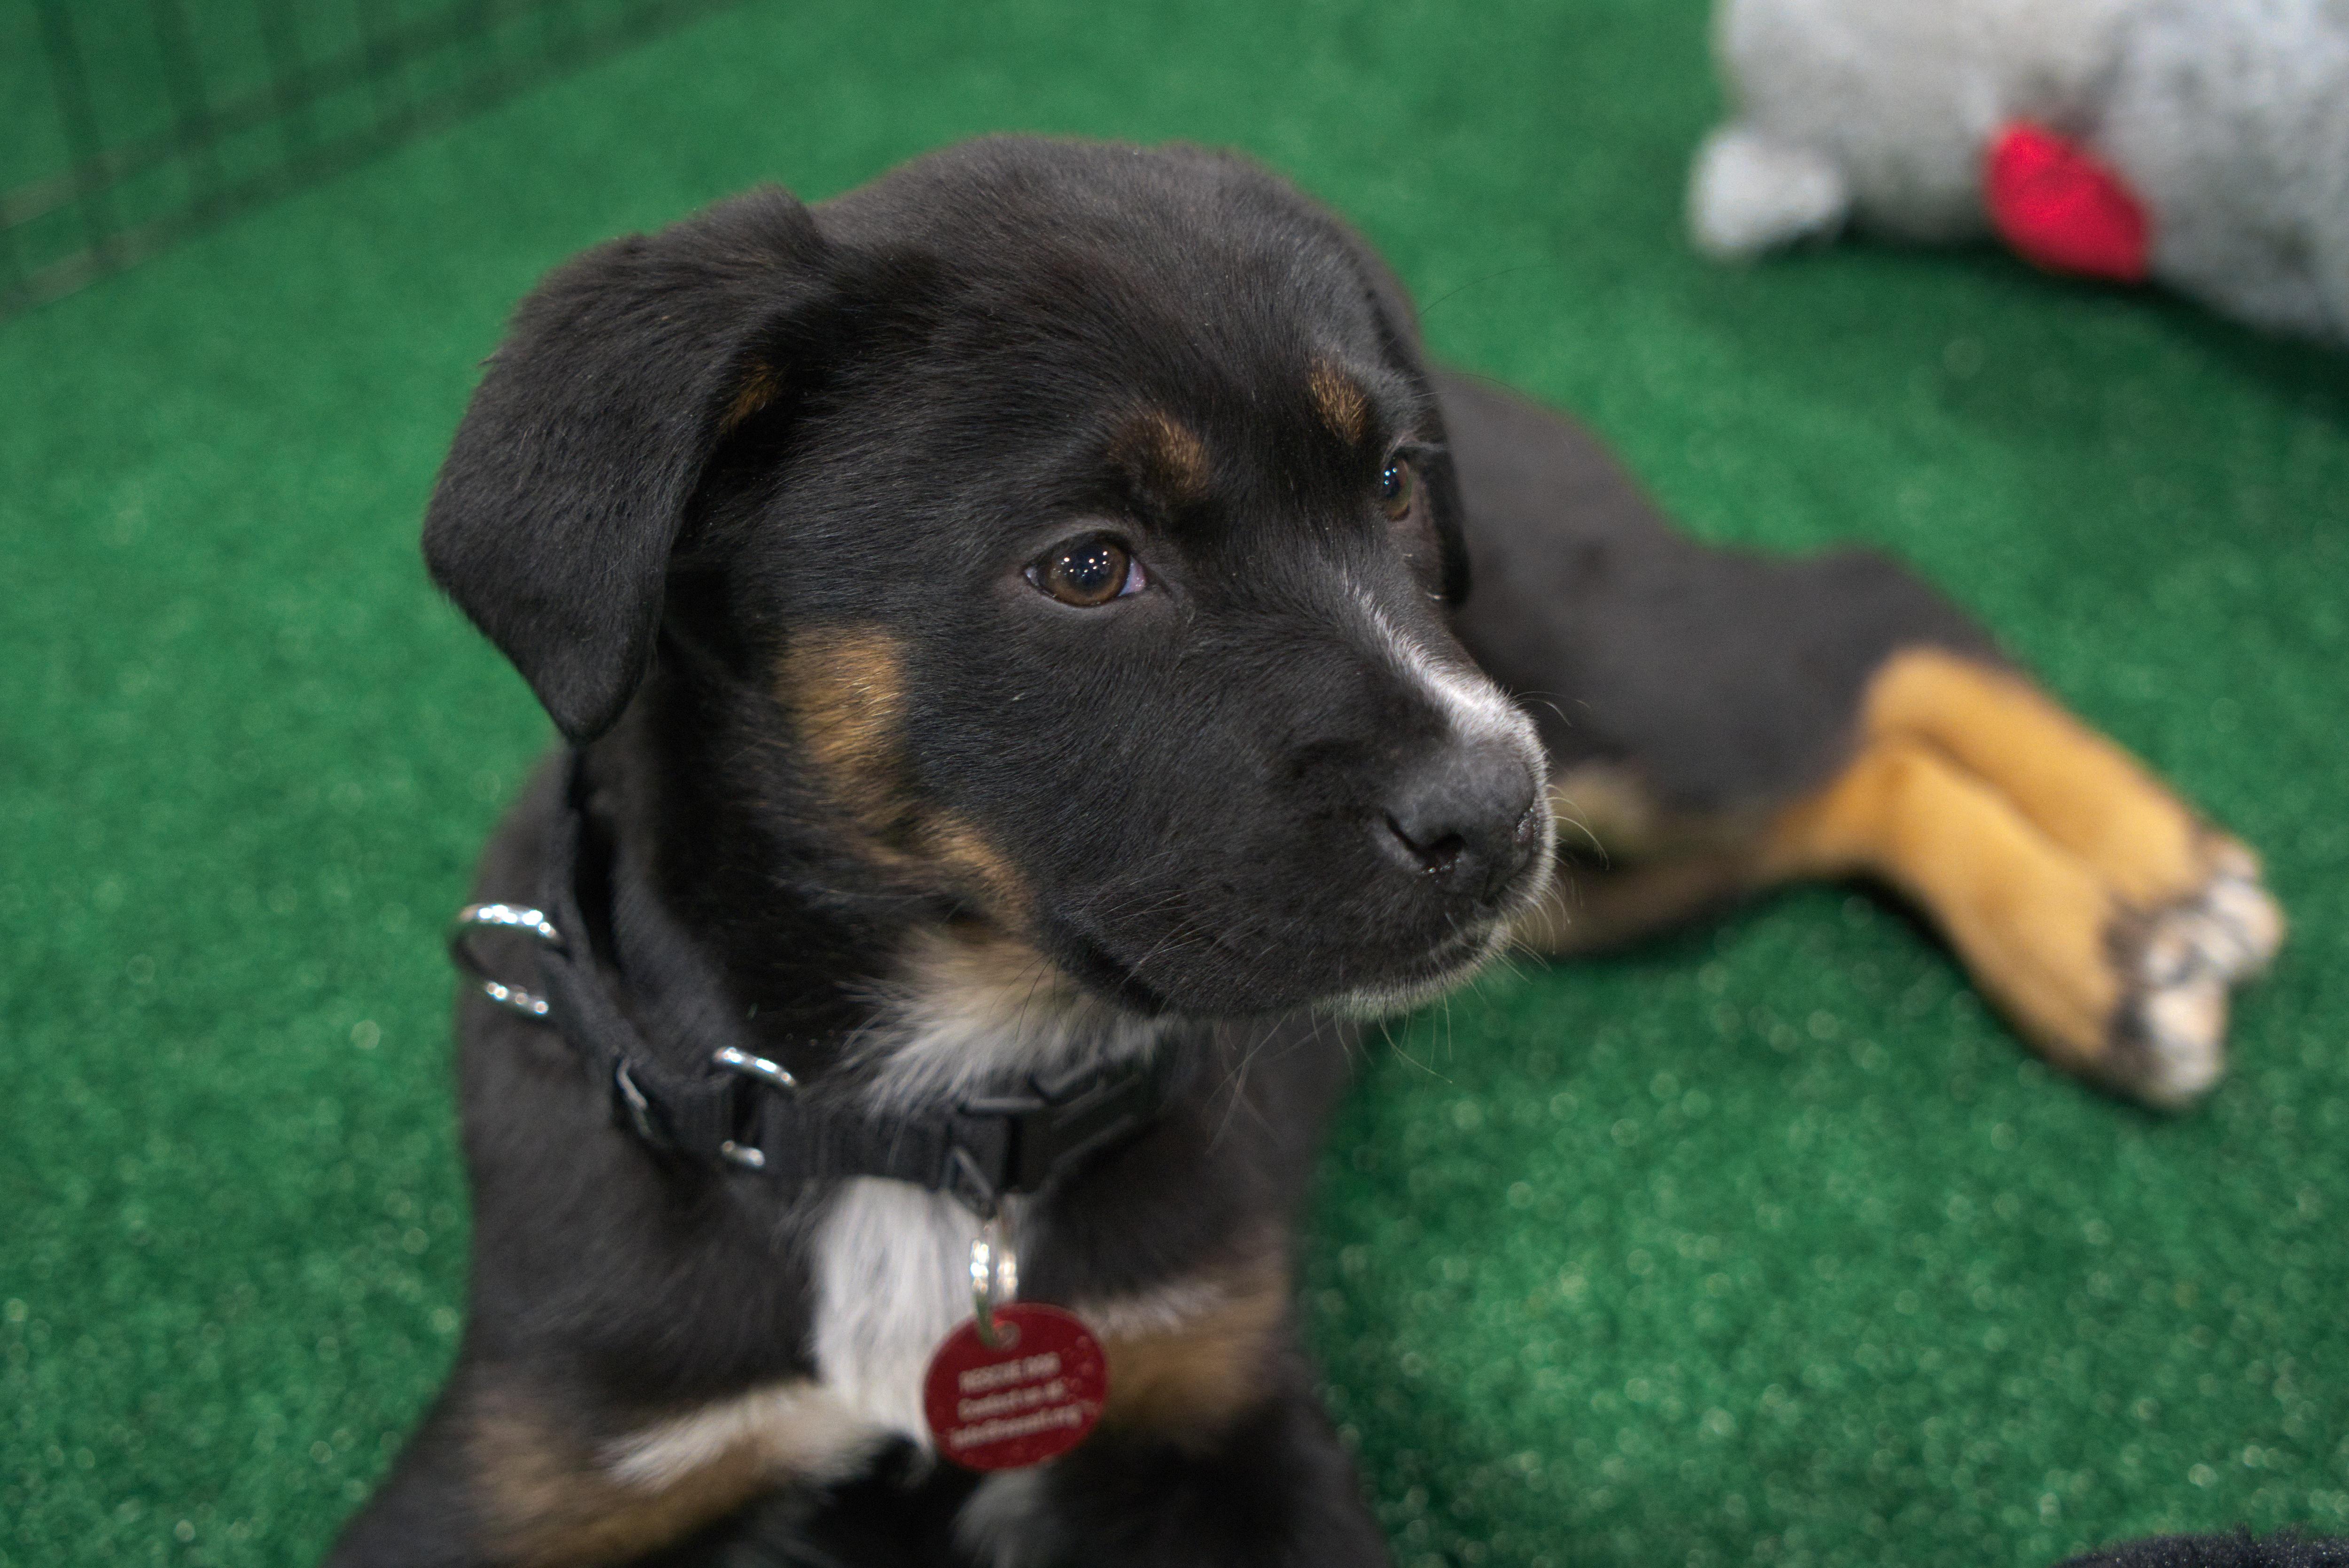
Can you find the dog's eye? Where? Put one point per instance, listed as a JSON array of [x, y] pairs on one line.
[[1087, 572], [1398, 488]]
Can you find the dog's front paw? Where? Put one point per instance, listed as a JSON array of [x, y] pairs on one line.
[[2169, 1036]]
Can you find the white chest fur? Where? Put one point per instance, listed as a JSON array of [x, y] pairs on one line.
[[892, 1259], [892, 1278]]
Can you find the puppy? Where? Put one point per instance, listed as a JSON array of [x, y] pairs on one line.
[[1011, 628]]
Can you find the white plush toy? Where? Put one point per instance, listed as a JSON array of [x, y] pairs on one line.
[[2201, 142]]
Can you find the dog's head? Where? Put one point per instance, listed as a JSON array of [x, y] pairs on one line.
[[1063, 532]]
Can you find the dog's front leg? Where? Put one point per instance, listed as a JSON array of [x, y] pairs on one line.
[[507, 1473], [425, 1514], [1268, 1484]]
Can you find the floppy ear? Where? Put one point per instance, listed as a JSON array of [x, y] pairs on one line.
[[554, 515]]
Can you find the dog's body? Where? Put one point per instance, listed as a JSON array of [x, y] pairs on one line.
[[1014, 624]]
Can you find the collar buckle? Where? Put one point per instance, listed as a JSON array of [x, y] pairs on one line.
[[1066, 1118], [750, 1114]]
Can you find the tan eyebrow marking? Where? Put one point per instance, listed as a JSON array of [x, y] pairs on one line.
[[1344, 407], [1162, 451], [760, 386]]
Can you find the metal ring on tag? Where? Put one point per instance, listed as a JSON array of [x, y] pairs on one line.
[[994, 1275], [476, 917]]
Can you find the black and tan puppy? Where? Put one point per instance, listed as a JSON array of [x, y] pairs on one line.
[[1013, 628]]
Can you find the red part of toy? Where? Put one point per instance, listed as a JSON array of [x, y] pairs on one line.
[[2061, 208]]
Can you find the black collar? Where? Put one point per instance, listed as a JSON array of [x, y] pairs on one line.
[[747, 1113]]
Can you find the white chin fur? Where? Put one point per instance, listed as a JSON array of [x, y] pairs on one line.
[[1369, 1004], [967, 1014]]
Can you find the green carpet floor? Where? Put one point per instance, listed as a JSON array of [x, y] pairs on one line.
[[1763, 1245]]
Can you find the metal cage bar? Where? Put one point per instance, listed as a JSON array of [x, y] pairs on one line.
[[115, 190]]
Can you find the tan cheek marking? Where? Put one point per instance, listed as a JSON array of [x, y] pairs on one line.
[[957, 845], [2079, 787], [2030, 918], [1189, 1382], [1342, 405], [984, 971], [844, 686]]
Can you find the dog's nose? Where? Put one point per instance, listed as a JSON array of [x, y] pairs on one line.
[[1465, 816]]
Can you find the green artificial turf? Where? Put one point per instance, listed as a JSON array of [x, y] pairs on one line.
[[1764, 1244]]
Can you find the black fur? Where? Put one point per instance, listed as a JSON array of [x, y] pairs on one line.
[[1221, 801], [1726, 679], [562, 495], [2242, 1550]]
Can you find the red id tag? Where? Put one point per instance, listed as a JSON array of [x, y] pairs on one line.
[[1031, 1396]]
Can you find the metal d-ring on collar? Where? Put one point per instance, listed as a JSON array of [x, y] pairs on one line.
[[476, 917], [759, 1068], [750, 1113]]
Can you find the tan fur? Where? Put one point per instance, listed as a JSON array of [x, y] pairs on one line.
[[796, 1429], [846, 688], [971, 858], [1607, 809], [2040, 848], [2078, 788], [760, 387], [1164, 453], [974, 1004], [548, 1502], [981, 969], [1342, 403], [1186, 1380], [2030, 917]]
